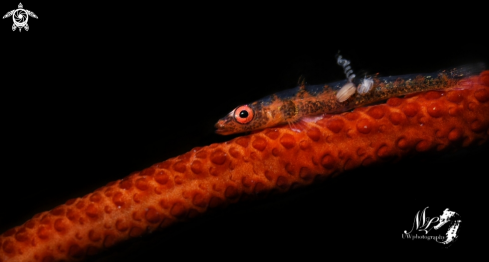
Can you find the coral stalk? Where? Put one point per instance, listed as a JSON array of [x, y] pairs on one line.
[[275, 159]]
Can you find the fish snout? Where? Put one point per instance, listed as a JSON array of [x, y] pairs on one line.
[[221, 127]]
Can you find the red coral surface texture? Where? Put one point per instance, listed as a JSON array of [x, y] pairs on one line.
[[275, 159]]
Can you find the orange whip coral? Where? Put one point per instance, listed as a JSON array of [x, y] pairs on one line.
[[272, 160]]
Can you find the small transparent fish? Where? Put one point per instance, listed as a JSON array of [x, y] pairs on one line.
[[292, 105]]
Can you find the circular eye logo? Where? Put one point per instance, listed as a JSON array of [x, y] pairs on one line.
[[20, 17]]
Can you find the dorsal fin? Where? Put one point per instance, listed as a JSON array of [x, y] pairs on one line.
[[346, 67], [301, 82]]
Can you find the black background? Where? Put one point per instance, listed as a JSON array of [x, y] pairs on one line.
[[95, 91]]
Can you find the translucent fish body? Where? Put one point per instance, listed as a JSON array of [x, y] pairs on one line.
[[291, 105]]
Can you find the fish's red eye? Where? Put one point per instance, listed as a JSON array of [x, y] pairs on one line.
[[243, 114]]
